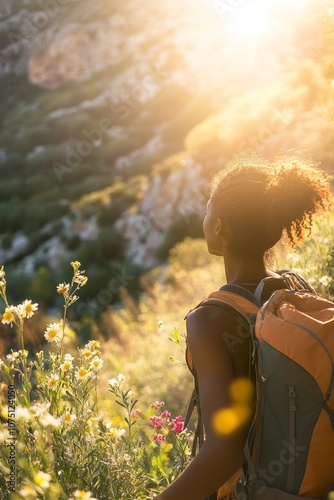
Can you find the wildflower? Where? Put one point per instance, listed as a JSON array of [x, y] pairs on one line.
[[156, 422], [68, 357], [22, 413], [83, 495], [27, 309], [13, 356], [8, 316], [116, 433], [40, 409], [93, 344], [53, 332], [82, 374], [68, 417], [80, 280], [160, 325], [113, 382], [176, 425], [4, 435], [135, 414], [76, 264], [96, 363], [159, 438], [85, 353], [2, 273], [165, 415], [66, 366], [157, 405], [53, 381], [28, 492], [49, 420], [63, 288], [42, 480], [1, 363]]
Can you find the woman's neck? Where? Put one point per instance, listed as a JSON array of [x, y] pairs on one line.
[[244, 270]]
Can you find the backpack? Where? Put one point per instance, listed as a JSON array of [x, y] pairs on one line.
[[289, 452]]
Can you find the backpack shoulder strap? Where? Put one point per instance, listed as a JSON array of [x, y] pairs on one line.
[[244, 306]]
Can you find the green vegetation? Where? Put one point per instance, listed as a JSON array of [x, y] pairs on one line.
[[82, 408]]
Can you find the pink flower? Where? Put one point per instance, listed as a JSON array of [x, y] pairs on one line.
[[176, 425], [159, 438], [135, 414], [156, 422], [157, 405], [165, 414]]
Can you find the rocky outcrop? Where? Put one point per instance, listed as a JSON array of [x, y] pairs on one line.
[[168, 198]]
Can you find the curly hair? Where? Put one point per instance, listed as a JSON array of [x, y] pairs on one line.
[[263, 202]]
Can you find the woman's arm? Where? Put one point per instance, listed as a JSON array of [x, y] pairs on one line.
[[221, 455]]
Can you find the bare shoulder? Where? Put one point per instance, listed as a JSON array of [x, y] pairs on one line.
[[210, 321], [214, 332], [207, 327]]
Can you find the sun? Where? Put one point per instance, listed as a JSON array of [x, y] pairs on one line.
[[257, 22], [251, 22]]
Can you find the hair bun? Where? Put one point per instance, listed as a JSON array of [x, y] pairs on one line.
[[296, 191]]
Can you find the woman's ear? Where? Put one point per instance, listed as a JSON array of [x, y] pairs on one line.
[[218, 226]]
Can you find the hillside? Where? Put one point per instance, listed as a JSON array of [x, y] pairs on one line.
[[115, 116]]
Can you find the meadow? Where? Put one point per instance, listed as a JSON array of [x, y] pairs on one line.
[[103, 417]]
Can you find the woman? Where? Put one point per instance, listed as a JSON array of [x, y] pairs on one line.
[[252, 207]]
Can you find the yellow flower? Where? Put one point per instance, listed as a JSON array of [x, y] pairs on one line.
[[96, 363], [82, 373], [86, 353], [53, 332], [63, 288], [42, 480], [52, 382], [28, 492], [66, 366], [116, 433], [76, 264], [68, 418], [94, 344], [27, 309], [80, 280], [8, 316], [83, 495]]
